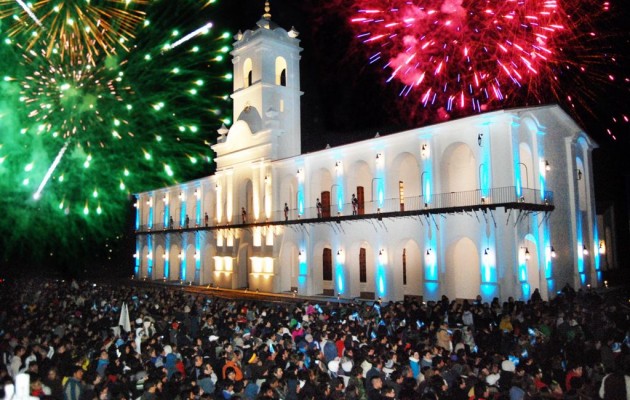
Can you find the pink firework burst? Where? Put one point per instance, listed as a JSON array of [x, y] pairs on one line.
[[466, 54]]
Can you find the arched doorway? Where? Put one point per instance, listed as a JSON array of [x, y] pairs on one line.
[[530, 277], [359, 180], [463, 269], [175, 262], [411, 271], [242, 268], [158, 268], [289, 266], [190, 264]]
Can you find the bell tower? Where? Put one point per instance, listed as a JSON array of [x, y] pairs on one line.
[[266, 96]]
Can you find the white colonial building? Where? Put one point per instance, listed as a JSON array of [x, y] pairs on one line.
[[496, 204]]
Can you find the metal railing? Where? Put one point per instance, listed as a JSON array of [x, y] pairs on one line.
[[507, 197]]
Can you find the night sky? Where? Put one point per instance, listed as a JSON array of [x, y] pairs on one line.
[[345, 99]]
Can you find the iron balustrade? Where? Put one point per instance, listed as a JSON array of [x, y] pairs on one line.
[[506, 197]]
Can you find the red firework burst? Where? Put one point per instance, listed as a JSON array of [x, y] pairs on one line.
[[470, 54]]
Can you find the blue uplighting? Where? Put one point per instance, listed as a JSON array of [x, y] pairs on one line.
[[150, 259], [198, 259], [182, 266], [489, 291], [340, 279], [182, 214], [198, 210], [431, 290], [526, 290], [138, 256]]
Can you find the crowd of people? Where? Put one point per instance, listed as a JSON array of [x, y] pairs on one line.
[[71, 341]]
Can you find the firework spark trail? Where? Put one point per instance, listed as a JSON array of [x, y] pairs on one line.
[[51, 169], [29, 12], [203, 29], [115, 119], [483, 51], [459, 57], [75, 28]]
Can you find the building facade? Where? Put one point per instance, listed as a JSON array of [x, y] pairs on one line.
[[496, 204]]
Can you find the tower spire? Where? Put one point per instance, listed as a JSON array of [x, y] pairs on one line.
[[267, 14]]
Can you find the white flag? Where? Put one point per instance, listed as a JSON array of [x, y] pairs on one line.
[[124, 318]]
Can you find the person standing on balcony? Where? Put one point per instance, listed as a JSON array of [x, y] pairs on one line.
[[319, 208], [286, 212], [171, 222], [355, 204], [187, 221], [244, 215], [205, 219]]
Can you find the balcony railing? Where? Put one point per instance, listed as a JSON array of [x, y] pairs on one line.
[[506, 197]]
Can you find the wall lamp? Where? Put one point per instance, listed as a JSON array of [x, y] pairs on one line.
[[584, 250], [526, 253], [424, 150]]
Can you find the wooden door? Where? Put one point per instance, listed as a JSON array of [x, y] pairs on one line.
[[327, 265], [360, 198], [325, 204]]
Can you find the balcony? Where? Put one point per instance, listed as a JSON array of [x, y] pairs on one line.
[[530, 200]]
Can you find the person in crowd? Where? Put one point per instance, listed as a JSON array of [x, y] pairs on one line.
[[69, 338]]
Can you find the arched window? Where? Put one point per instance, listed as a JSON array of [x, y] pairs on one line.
[[281, 71], [248, 74]]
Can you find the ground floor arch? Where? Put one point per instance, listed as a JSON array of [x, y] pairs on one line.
[[240, 279], [207, 264], [529, 275], [175, 260], [190, 261], [361, 262], [144, 262], [288, 269], [158, 263], [316, 274], [409, 268], [463, 274]]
